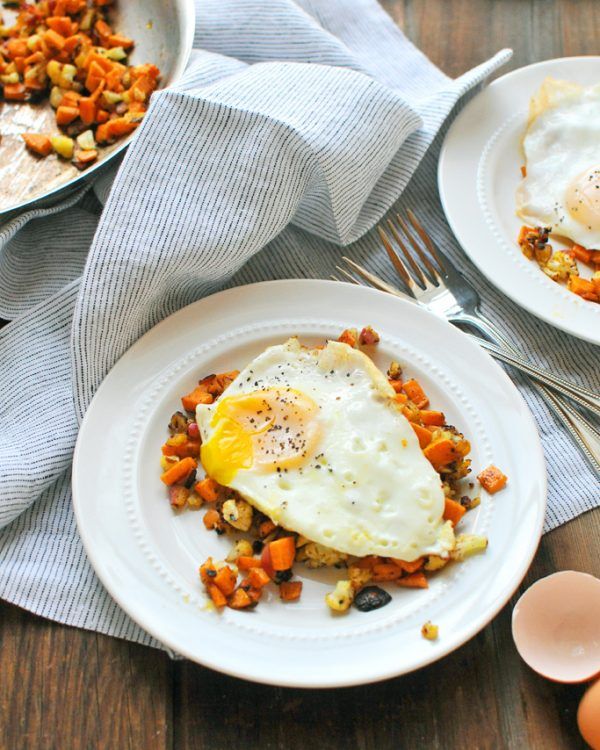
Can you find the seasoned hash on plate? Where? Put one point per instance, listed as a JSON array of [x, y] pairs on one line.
[[313, 455], [559, 194]]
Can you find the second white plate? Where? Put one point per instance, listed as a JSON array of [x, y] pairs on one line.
[[147, 556], [478, 173]]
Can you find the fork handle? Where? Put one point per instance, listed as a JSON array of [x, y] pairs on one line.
[[583, 432], [582, 396]]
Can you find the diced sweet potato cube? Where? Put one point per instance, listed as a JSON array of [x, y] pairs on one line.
[[581, 253], [87, 110], [208, 571], [225, 580], [211, 519], [492, 479], [257, 578], [66, 115], [103, 133], [423, 434], [453, 511], [15, 92], [441, 453], [240, 599], [39, 144], [197, 396], [17, 48], [103, 30], [415, 393], [434, 418], [84, 159], [118, 40], [290, 591], [410, 567], [61, 24], [349, 336], [179, 471], [208, 489], [265, 528], [54, 40], [245, 562], [121, 126], [583, 287], [386, 572], [216, 595], [414, 581]]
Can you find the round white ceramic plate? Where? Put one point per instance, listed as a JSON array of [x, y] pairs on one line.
[[147, 555], [478, 173]]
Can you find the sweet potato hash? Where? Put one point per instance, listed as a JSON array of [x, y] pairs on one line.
[[264, 554], [66, 50], [561, 265]]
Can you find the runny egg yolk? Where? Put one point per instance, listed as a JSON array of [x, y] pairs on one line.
[[267, 430], [583, 198]]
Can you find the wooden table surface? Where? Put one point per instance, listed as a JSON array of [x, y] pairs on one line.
[[69, 689]]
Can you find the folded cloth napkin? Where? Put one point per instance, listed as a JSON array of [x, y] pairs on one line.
[[295, 128]]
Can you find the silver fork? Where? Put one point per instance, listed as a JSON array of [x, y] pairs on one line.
[[450, 295], [431, 280], [581, 395]]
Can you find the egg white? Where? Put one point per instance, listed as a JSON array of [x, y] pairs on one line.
[[561, 143], [365, 486]]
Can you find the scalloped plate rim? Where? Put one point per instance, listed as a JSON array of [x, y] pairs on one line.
[[259, 670]]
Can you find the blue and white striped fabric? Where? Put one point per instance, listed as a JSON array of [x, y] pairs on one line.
[[297, 125]]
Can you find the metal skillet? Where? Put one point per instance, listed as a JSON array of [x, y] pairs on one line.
[[163, 31]]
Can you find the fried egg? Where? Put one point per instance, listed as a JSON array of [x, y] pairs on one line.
[[561, 189], [315, 439]]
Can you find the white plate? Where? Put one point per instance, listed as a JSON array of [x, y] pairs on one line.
[[479, 170], [147, 556]]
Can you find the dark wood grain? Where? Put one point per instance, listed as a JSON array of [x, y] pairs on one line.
[[69, 689], [64, 688]]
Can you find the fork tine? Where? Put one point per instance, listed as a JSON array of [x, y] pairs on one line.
[[348, 276], [372, 279], [416, 271], [434, 273], [393, 256], [426, 238]]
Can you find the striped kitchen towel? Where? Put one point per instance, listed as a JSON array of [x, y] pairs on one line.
[[297, 125]]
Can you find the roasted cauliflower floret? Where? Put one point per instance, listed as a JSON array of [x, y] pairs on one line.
[[395, 371], [237, 513], [317, 556], [340, 599], [448, 432], [560, 266], [534, 242], [458, 466], [435, 562], [241, 548], [543, 255], [446, 536], [458, 472], [359, 577], [467, 545], [449, 490]]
